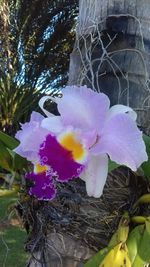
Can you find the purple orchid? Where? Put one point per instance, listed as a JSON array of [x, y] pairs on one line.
[[80, 141], [93, 132]]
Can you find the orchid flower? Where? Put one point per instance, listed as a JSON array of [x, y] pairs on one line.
[[80, 141]]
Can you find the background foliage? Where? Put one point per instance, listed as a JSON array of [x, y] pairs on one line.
[[36, 40]]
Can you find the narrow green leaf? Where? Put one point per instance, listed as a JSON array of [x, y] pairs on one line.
[[5, 158], [9, 141], [146, 165], [19, 163]]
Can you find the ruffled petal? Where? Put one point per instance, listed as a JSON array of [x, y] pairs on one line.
[[43, 186], [53, 124], [59, 159], [118, 109], [122, 141], [83, 108], [36, 117], [95, 175], [31, 136]]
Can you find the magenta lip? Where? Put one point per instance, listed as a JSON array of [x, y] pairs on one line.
[[59, 159]]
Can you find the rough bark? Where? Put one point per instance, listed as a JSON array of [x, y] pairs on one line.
[[62, 251]]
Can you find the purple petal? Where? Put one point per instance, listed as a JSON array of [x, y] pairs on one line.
[[30, 137], [83, 108], [88, 137], [122, 141], [59, 159], [95, 175], [43, 187], [53, 124], [35, 116]]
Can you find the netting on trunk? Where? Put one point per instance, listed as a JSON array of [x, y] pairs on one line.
[[111, 56]]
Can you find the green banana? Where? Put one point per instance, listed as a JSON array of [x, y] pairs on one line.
[[143, 199], [116, 250], [138, 219], [123, 231], [117, 257], [121, 234]]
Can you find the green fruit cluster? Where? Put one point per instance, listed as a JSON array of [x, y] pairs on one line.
[[127, 248]]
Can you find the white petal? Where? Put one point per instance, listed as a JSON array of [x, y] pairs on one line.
[[116, 109], [53, 124], [95, 175], [41, 105]]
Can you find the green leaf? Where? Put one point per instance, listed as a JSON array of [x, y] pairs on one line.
[[8, 141], [143, 252], [5, 158], [134, 240], [19, 163], [112, 165], [97, 258], [146, 165], [144, 249]]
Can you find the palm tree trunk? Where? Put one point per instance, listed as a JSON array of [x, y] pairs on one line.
[[111, 54]]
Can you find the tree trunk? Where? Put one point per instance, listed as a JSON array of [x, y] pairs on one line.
[[111, 54]]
